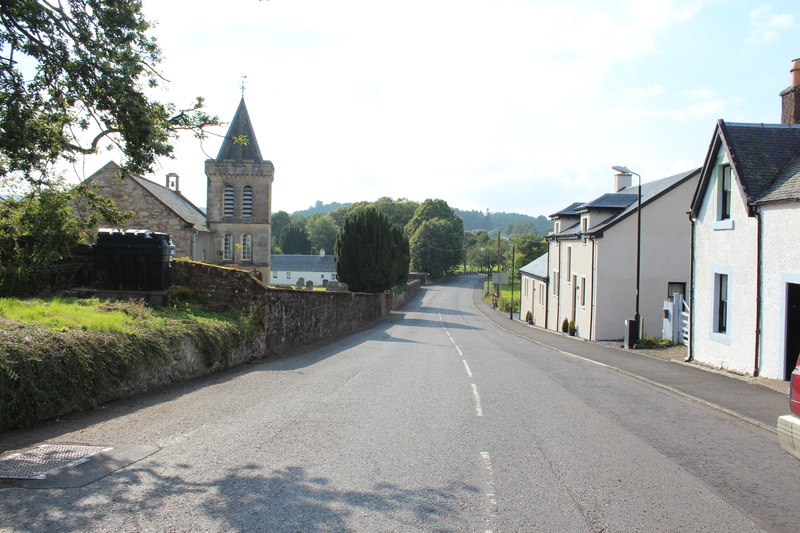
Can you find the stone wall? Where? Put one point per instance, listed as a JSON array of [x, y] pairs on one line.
[[294, 317]]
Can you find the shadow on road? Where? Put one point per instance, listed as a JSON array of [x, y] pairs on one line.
[[242, 499]]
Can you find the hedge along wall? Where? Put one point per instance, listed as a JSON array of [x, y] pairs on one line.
[[294, 317]]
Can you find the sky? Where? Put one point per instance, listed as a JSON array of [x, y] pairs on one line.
[[506, 105]]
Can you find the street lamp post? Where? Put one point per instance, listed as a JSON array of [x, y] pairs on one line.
[[632, 339]]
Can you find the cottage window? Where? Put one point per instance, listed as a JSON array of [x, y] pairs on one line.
[[555, 283], [725, 193], [542, 292], [583, 291], [569, 261], [721, 303], [228, 199], [288, 275], [227, 247], [247, 201], [247, 247]]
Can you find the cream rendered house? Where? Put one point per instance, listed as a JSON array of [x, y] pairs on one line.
[[592, 257], [533, 290], [745, 313]]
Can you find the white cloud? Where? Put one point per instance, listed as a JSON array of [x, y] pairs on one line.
[[766, 25]]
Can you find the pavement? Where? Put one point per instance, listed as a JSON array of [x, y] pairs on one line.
[[755, 400]]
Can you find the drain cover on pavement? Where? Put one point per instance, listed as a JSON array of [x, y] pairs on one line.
[[37, 463]]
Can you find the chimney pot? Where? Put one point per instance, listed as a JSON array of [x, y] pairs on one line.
[[795, 70]]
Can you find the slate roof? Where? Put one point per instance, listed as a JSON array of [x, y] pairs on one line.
[[570, 210], [537, 267], [241, 125], [176, 202], [765, 158], [302, 263], [610, 201], [626, 201]]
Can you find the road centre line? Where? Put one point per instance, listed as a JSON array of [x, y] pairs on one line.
[[478, 406], [459, 351], [469, 372]]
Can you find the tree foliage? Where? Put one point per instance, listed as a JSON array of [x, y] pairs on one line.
[[73, 74], [436, 238], [73, 79], [322, 231], [295, 240], [370, 253]]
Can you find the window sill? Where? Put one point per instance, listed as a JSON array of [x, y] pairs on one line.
[[722, 225], [722, 338]]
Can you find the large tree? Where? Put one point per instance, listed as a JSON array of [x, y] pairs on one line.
[[74, 76], [369, 251], [436, 238], [295, 240], [322, 231]]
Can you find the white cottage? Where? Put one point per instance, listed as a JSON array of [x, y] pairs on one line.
[[746, 256], [592, 257], [287, 269]]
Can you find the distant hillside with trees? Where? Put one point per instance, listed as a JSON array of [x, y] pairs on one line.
[[506, 223]]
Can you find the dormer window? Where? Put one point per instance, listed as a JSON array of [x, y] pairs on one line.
[[228, 200], [725, 193], [247, 201]]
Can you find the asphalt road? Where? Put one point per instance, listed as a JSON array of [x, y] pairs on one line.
[[434, 420]]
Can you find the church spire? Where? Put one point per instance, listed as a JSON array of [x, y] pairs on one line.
[[240, 126]]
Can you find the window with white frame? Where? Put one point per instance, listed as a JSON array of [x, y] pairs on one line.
[[721, 297], [228, 200], [247, 247], [288, 275], [583, 291], [247, 201], [555, 283], [725, 193], [227, 247], [542, 292], [569, 262]]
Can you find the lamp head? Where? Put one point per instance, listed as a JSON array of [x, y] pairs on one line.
[[621, 169]]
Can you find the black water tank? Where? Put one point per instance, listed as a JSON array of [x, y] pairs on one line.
[[133, 260]]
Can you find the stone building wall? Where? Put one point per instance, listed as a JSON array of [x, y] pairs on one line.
[[150, 213]]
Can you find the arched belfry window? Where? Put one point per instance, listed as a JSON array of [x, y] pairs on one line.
[[247, 247], [247, 201], [227, 247], [228, 200]]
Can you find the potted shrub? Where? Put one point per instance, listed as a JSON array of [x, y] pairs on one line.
[[529, 317], [572, 328], [565, 325]]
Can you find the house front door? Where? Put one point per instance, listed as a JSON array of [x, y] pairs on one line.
[[792, 327]]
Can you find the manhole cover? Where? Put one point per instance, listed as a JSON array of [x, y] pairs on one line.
[[36, 463]]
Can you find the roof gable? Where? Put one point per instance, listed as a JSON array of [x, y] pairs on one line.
[[765, 159]]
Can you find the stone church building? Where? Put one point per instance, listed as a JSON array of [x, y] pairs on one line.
[[235, 231]]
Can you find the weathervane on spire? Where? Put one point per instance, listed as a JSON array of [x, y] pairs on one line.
[[244, 83]]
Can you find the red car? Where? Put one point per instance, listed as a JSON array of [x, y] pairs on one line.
[[789, 425]]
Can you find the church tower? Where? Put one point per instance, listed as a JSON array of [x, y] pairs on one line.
[[240, 200]]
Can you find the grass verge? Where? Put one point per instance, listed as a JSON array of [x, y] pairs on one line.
[[63, 355]]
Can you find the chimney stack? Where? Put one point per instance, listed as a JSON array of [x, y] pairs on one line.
[[790, 97], [172, 182], [622, 180]]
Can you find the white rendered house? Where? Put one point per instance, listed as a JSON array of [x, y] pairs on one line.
[[287, 269], [592, 257], [746, 261]]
